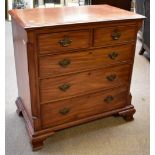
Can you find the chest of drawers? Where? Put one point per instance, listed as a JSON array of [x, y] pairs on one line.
[[73, 65]]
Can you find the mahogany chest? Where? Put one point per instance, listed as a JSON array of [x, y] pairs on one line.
[[73, 65]]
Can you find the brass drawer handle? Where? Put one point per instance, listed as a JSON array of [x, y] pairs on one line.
[[109, 99], [116, 35], [113, 55], [64, 62], [64, 111], [64, 87], [111, 77], [65, 42]]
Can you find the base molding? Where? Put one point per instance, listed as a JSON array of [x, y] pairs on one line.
[[127, 114], [37, 142], [37, 138]]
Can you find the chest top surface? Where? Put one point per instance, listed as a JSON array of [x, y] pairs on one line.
[[43, 17]]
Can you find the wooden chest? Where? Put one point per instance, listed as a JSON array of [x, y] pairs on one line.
[[74, 65]]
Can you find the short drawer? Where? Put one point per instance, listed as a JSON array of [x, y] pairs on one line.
[[63, 41], [78, 61], [114, 35], [76, 84], [65, 111]]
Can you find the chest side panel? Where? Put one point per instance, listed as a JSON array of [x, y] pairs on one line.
[[21, 62]]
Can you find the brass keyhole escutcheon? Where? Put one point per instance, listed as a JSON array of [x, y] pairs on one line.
[[111, 77], [109, 99]]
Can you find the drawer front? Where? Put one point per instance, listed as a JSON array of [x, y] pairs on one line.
[[74, 62], [76, 84], [81, 107], [114, 35], [63, 41]]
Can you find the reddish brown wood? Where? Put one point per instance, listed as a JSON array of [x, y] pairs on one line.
[[33, 82], [82, 83], [82, 107], [33, 18], [127, 114], [49, 43], [21, 62], [36, 138], [37, 145], [105, 36], [37, 142], [40, 70], [49, 65], [50, 130]]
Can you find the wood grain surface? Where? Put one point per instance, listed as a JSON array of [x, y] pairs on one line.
[[74, 65], [82, 83], [50, 43], [43, 17], [80, 107], [114, 35], [52, 65]]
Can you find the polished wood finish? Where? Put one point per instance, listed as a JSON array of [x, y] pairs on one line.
[[84, 82], [52, 42], [81, 107], [49, 65], [69, 71], [113, 35], [41, 17], [21, 62]]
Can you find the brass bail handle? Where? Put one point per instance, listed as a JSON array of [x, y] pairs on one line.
[[113, 55], [64, 87], [65, 41], [111, 77], [116, 35], [109, 99], [65, 62], [64, 111]]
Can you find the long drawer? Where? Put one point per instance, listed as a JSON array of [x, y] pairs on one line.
[[76, 84], [114, 35], [74, 109], [63, 41], [84, 60]]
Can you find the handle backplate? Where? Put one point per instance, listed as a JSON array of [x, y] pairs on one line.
[[64, 87], [113, 55], [64, 111], [64, 62], [65, 42], [111, 77], [109, 99], [116, 35]]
